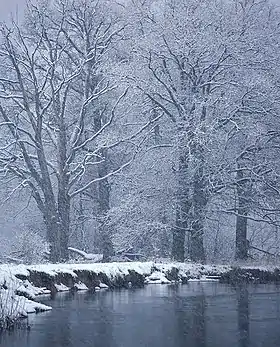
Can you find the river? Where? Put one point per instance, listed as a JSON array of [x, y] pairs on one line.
[[191, 315]]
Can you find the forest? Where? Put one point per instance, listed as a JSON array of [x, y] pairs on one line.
[[148, 127]]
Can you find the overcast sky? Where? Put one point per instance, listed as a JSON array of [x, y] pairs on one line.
[[10, 6]]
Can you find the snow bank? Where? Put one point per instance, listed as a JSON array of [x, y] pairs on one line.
[[63, 277], [27, 289], [17, 297], [20, 285], [109, 269], [80, 286], [61, 287], [103, 286], [157, 277], [20, 279], [14, 307]]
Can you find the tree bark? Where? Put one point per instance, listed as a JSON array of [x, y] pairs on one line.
[[58, 233], [197, 252], [64, 224], [241, 252], [53, 231], [104, 206], [104, 201], [183, 204]]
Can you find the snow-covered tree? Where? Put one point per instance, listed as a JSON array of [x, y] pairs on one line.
[[59, 100]]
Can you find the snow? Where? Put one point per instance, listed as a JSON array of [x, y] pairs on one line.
[[80, 286], [193, 270], [157, 278], [203, 279], [109, 269], [87, 256], [14, 279], [153, 272], [103, 286], [32, 291], [33, 306], [15, 305], [61, 287], [52, 269]]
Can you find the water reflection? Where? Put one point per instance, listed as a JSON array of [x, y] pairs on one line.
[[193, 315], [187, 317], [198, 326], [243, 315], [103, 326], [57, 334]]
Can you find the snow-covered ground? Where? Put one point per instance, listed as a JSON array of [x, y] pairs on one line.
[[19, 306], [17, 297], [121, 269]]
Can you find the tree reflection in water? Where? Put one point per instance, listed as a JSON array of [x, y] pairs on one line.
[[191, 321], [243, 315], [193, 315]]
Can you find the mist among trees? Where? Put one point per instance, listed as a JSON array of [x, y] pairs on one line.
[[144, 125]]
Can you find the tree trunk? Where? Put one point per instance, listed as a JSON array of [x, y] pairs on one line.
[[52, 226], [104, 202], [178, 238], [182, 205], [58, 237], [57, 221], [197, 252], [241, 252], [104, 206], [241, 235], [63, 198], [63, 207], [80, 238]]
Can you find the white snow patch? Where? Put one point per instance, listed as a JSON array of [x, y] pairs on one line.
[[109, 269], [87, 256], [80, 286], [203, 279], [192, 270], [15, 306], [31, 291], [103, 286], [33, 306], [157, 278], [61, 287]]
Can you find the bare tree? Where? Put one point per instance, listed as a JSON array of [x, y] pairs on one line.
[[56, 81], [190, 75], [207, 81]]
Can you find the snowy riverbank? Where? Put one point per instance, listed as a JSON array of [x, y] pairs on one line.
[[22, 284]]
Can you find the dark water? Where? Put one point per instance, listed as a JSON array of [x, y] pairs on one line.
[[193, 315]]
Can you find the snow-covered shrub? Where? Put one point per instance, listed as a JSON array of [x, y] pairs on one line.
[[10, 306], [30, 247], [25, 246]]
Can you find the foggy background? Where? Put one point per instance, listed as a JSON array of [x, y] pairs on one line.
[[9, 7]]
